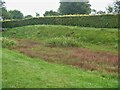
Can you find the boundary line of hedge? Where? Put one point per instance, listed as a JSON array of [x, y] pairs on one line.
[[98, 21]]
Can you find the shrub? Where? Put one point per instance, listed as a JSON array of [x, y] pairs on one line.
[[98, 21], [63, 42], [6, 43]]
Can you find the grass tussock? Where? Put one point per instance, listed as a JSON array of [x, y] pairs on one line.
[[6, 43], [63, 42]]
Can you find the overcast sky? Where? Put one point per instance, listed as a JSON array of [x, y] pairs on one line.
[[40, 6]]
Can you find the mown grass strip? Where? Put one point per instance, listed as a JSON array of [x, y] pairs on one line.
[[20, 71]]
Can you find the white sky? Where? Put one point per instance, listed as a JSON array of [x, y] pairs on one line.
[[32, 6]]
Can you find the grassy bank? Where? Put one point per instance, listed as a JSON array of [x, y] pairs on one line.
[[49, 56], [67, 36], [20, 71]]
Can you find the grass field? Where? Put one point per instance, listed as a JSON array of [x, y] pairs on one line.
[[0, 67], [60, 56], [106, 38], [20, 71]]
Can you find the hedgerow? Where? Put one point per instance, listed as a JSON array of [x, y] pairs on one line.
[[98, 21]]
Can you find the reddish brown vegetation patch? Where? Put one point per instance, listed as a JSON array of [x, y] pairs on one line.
[[80, 57], [99, 57]]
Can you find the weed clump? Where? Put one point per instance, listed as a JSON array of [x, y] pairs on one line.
[[6, 43], [63, 42]]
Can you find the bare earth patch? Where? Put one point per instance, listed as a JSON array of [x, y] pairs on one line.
[[78, 57]]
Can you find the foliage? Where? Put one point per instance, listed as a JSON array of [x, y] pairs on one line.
[[28, 16], [63, 42], [2, 3], [117, 6], [8, 43], [114, 8], [5, 13], [12, 14], [51, 13], [104, 38], [101, 21], [101, 12], [37, 70], [109, 9], [93, 11], [74, 8], [37, 14], [16, 14]]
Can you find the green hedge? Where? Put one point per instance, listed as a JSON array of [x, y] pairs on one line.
[[99, 21]]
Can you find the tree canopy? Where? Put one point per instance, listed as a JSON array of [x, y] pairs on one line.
[[37, 14], [2, 3], [51, 13], [109, 9], [28, 16], [5, 14], [3, 11], [74, 8], [115, 8], [16, 14]]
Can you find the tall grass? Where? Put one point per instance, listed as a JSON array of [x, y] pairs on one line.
[[63, 42], [67, 35], [8, 42]]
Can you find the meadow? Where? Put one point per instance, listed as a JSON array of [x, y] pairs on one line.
[[56, 56]]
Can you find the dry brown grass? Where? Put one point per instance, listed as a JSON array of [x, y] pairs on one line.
[[78, 57]]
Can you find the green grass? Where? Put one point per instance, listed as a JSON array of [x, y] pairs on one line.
[[103, 38], [63, 42], [0, 67], [6, 42], [20, 71]]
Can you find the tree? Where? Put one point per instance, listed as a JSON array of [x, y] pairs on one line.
[[74, 8], [3, 11], [109, 9], [16, 14], [37, 14], [51, 13], [2, 3], [5, 14], [93, 10], [116, 6], [28, 16], [101, 12]]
